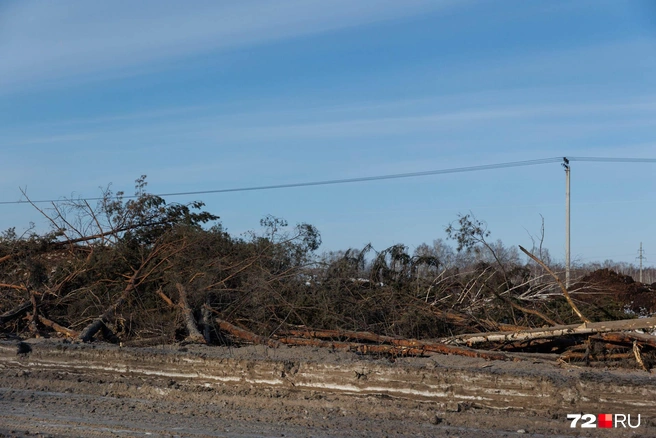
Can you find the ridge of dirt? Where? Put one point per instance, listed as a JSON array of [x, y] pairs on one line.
[[65, 389], [612, 290]]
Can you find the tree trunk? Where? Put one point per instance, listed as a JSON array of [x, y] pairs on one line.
[[206, 321], [90, 330], [554, 332], [58, 328], [245, 334], [195, 335], [34, 317]]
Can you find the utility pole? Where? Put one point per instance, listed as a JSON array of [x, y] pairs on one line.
[[640, 256], [565, 164]]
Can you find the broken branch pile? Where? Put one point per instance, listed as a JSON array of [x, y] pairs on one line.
[[144, 271]]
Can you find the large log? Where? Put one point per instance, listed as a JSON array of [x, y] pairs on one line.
[[194, 335], [90, 330], [554, 332], [34, 316], [629, 338], [396, 342], [245, 334], [58, 328]]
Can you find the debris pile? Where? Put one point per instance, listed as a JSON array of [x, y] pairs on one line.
[[144, 272]]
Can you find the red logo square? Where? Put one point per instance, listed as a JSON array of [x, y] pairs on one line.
[[605, 420]]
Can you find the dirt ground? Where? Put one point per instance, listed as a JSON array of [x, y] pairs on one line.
[[101, 390]]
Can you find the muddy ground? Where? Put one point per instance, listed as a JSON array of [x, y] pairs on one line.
[[100, 390]]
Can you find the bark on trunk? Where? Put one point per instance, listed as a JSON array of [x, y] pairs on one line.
[[34, 317], [195, 335], [554, 332], [403, 343], [245, 335], [58, 328], [628, 338], [206, 322]]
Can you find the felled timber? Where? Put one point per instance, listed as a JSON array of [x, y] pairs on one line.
[[194, 335], [629, 338], [58, 328], [243, 334], [553, 332], [579, 356], [417, 347]]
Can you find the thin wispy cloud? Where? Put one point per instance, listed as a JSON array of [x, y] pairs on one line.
[[213, 94], [324, 122], [58, 40]]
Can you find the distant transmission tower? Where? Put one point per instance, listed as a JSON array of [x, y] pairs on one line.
[[641, 256]]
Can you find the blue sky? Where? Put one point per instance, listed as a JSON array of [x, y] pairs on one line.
[[221, 94]]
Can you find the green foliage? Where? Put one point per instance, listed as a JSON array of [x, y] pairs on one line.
[[468, 232], [146, 217]]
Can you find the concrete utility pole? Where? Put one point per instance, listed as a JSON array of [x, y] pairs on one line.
[[565, 164], [640, 257]]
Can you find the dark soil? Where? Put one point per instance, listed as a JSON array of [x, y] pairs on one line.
[[618, 295]]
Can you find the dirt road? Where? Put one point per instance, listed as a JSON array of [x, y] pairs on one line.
[[63, 389]]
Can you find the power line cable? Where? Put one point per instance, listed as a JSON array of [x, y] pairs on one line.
[[368, 178], [613, 160], [328, 182]]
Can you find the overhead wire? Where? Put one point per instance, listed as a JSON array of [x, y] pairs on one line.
[[326, 182], [613, 160], [364, 179]]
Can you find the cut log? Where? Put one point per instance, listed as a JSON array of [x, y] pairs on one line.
[[245, 335], [34, 316], [629, 338], [58, 328], [402, 343], [194, 335], [553, 332], [410, 347], [206, 321]]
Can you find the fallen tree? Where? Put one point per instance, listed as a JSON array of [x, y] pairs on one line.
[[553, 332]]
